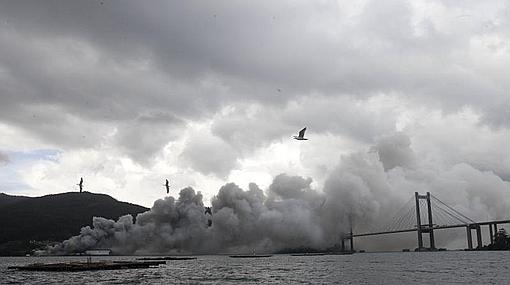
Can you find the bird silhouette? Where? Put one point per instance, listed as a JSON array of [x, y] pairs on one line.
[[301, 136], [81, 184], [167, 185]]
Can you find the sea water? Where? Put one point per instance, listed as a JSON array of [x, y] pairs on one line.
[[450, 267]]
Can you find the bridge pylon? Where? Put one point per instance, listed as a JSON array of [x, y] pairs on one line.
[[424, 228]]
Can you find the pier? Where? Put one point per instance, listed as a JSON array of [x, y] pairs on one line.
[[87, 266]]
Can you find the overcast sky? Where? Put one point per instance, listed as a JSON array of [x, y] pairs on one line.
[[128, 93]]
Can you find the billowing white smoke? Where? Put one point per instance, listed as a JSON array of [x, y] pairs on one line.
[[168, 225], [366, 189], [290, 215]]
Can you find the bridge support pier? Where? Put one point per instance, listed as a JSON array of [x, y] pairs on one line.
[[351, 239], [479, 244], [478, 229], [491, 234], [432, 241], [469, 237], [351, 242]]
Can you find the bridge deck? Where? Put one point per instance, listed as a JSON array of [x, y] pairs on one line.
[[436, 227]]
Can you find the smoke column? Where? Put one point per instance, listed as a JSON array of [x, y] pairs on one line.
[[366, 188]]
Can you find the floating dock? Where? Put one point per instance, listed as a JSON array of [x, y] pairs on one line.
[[251, 256], [342, 252], [309, 254], [87, 266], [168, 258]]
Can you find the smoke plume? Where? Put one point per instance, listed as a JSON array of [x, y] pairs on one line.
[[365, 190], [290, 214]]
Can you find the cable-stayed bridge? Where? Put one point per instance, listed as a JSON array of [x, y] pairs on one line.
[[425, 214]]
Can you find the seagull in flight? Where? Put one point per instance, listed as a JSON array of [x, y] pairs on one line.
[[301, 136], [167, 185]]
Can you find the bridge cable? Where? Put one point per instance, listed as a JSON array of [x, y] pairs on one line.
[[459, 213], [397, 218], [443, 217], [450, 214], [447, 215], [454, 215], [402, 220]]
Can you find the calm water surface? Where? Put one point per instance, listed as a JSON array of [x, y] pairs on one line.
[[363, 268]]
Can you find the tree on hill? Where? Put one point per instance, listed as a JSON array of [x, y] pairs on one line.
[[501, 240]]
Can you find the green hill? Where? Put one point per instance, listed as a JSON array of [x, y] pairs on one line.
[[28, 222]]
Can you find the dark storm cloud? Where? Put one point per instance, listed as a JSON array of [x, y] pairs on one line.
[[264, 43], [96, 67]]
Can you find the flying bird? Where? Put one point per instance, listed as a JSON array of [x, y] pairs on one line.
[[301, 136], [81, 184], [167, 185]]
